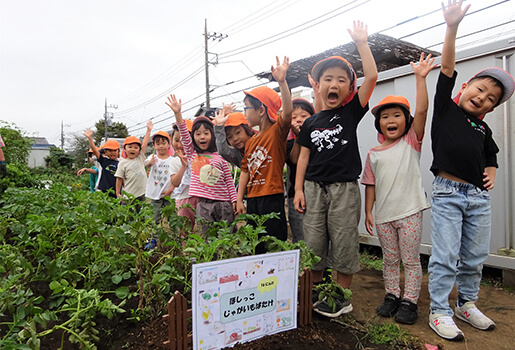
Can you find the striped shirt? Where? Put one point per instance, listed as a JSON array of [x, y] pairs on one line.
[[210, 174]]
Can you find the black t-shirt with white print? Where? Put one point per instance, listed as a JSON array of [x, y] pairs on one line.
[[462, 144], [331, 137]]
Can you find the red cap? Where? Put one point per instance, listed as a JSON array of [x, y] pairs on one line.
[[269, 98], [236, 119]]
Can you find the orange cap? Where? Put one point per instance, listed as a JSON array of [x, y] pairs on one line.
[[189, 124], [162, 133], [269, 98], [111, 144], [236, 119], [131, 139], [392, 100], [90, 150], [321, 66]]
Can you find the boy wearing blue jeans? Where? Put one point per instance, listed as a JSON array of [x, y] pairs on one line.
[[330, 164], [464, 165]]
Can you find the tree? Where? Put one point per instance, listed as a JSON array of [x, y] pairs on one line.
[[115, 130], [79, 148], [58, 158], [17, 144]]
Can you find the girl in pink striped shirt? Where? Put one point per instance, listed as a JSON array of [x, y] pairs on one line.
[[211, 179]]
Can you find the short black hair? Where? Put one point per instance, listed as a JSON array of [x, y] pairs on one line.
[[209, 126], [248, 130], [304, 105], [407, 115], [159, 137], [496, 82], [255, 103], [336, 63]]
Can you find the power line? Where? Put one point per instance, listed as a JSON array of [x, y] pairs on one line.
[[283, 34]]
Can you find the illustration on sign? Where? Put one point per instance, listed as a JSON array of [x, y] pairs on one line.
[[241, 299]]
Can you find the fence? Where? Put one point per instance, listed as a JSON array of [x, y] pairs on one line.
[[178, 313]]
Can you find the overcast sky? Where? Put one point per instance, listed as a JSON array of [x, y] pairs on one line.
[[60, 59]]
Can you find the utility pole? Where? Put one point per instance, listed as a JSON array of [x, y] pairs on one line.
[[208, 36], [107, 117], [62, 133]]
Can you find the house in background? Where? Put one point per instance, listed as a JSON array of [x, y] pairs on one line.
[[40, 149]]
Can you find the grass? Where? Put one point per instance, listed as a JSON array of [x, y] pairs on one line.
[[369, 260]]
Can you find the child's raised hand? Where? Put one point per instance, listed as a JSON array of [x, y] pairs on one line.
[[279, 73], [453, 14], [182, 157], [174, 104], [359, 33], [150, 125], [228, 108], [88, 133], [221, 117], [424, 65]]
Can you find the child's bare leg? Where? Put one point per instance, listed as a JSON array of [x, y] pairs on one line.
[[343, 279]]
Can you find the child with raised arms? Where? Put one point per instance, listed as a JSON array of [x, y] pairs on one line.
[[108, 161], [265, 153], [394, 183], [464, 165], [131, 175], [181, 177], [211, 179], [232, 132], [329, 164]]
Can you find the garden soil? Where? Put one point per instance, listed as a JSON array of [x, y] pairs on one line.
[[368, 293]]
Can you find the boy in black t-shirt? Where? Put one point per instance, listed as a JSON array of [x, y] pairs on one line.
[[109, 162], [464, 165], [329, 197]]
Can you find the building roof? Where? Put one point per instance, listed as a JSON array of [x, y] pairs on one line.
[[388, 53], [41, 143]]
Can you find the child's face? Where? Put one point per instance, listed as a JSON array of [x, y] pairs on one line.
[[392, 123], [176, 142], [252, 114], [237, 137], [334, 87], [479, 97], [112, 153], [202, 137], [132, 150], [90, 158], [161, 146], [297, 119]]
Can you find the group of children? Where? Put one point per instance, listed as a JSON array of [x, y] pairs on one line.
[[320, 147]]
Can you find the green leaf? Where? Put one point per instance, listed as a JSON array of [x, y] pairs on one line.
[[122, 292], [116, 279]]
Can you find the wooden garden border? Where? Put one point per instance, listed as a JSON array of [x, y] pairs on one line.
[[178, 313]]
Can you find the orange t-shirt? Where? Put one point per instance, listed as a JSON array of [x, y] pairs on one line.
[[265, 155]]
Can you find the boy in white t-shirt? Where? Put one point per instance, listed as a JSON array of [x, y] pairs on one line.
[[159, 185]]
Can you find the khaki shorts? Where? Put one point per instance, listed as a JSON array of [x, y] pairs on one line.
[[332, 214]]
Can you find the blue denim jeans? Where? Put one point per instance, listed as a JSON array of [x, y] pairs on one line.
[[460, 234]]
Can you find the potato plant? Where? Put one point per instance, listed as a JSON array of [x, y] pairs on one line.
[[68, 257]]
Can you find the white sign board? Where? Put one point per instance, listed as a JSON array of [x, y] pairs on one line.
[[242, 299]]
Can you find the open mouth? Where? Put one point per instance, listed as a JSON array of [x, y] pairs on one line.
[[332, 97], [392, 129], [474, 103]]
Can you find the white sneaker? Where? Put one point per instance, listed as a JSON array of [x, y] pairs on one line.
[[469, 313], [445, 327]]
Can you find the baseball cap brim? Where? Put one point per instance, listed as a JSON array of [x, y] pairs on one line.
[[504, 77]]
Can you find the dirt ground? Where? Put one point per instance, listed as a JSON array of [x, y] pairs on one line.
[[496, 303], [368, 293]]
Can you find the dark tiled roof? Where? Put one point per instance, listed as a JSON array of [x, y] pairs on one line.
[[388, 53]]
